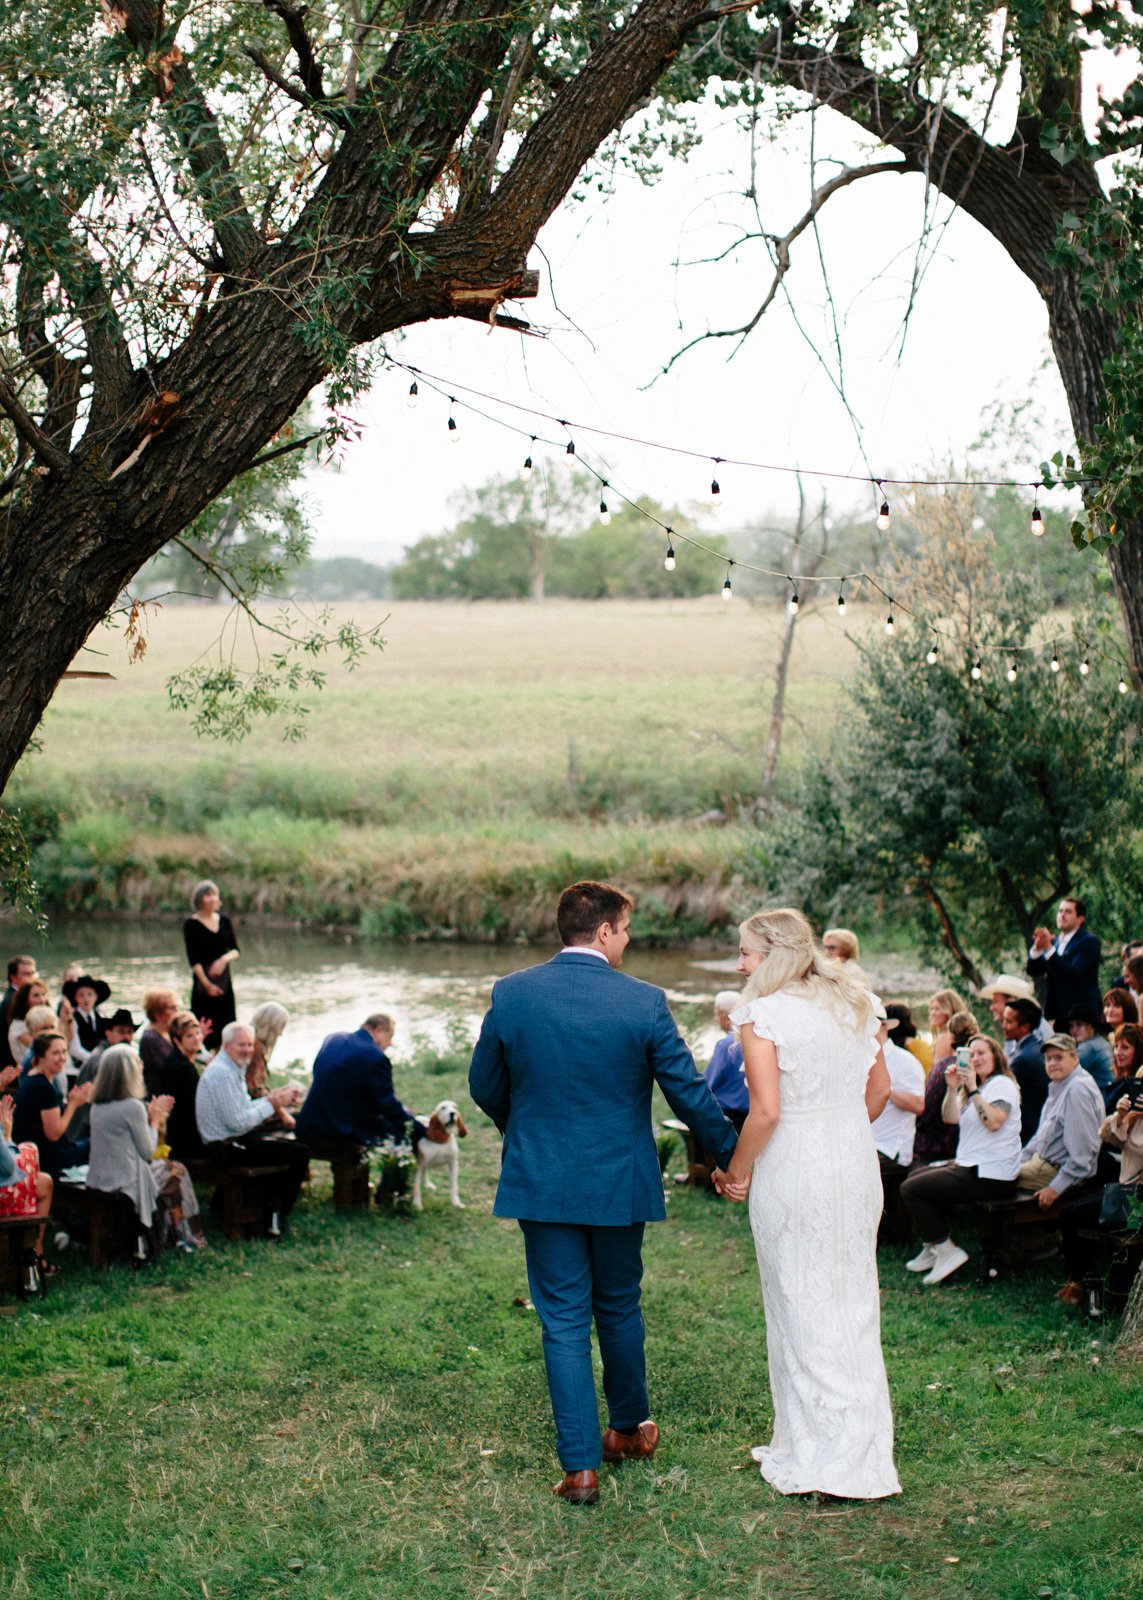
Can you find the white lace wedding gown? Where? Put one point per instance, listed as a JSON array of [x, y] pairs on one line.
[[815, 1202]]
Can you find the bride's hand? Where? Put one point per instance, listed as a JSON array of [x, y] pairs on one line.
[[731, 1188]]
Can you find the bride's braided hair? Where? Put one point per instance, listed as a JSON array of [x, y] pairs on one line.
[[793, 959]]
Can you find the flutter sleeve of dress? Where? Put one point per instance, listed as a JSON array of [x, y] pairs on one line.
[[762, 1014]]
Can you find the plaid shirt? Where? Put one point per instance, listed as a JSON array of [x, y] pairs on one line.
[[223, 1108]]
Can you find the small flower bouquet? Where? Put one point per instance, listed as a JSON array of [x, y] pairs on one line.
[[395, 1163]]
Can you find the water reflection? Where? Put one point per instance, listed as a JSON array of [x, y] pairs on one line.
[[330, 982]]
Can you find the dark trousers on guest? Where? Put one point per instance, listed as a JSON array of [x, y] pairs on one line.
[[1080, 1254], [894, 1225], [930, 1193], [577, 1273], [259, 1150]]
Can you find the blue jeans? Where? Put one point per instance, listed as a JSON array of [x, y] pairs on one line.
[[576, 1273]]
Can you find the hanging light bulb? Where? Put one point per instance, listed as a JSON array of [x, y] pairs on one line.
[[841, 602], [931, 656], [1037, 521], [792, 603], [413, 396], [1123, 685], [453, 430], [883, 513], [669, 558], [715, 486], [569, 454], [727, 587], [890, 622], [1011, 673], [604, 514], [977, 670], [526, 469], [1054, 663], [1085, 667]]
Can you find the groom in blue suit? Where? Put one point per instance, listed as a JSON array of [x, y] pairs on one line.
[[567, 1058]]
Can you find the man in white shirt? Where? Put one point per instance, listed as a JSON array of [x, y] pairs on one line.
[[895, 1128], [232, 1124]]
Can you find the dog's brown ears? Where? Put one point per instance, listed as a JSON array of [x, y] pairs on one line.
[[461, 1130]]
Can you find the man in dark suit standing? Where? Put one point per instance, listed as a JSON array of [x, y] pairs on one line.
[[565, 1065], [1068, 965]]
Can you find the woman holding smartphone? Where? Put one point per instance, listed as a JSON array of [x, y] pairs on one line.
[[982, 1099]]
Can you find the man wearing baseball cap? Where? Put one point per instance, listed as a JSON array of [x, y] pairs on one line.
[[1065, 1147]]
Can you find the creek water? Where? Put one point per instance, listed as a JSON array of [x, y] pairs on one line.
[[331, 982]]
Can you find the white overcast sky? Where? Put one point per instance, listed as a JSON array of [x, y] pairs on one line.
[[977, 335]]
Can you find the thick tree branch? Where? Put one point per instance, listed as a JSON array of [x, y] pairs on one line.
[[30, 431], [309, 68], [300, 97]]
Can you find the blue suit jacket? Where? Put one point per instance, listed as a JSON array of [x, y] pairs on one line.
[[568, 1055], [1071, 979], [352, 1097]]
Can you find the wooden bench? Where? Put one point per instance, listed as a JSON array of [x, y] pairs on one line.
[[17, 1234], [698, 1174], [241, 1194], [1120, 1261], [109, 1221], [1010, 1229], [349, 1164]]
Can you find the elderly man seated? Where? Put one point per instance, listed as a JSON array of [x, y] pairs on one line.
[[235, 1128], [1064, 1149], [724, 1076], [352, 1100]]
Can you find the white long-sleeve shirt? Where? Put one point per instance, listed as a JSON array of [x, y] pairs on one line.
[[223, 1107]]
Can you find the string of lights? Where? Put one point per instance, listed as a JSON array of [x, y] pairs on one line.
[[567, 451]]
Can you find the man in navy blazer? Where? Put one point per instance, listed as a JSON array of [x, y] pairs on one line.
[[351, 1098], [565, 1065], [1068, 965]]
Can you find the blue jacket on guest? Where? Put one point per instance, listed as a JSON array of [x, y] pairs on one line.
[[565, 1065], [1071, 979], [1028, 1069], [724, 1075], [351, 1097]]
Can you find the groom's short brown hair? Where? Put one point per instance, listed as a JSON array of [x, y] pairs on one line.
[[585, 906]]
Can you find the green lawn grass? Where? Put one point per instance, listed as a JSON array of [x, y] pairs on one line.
[[362, 1413]]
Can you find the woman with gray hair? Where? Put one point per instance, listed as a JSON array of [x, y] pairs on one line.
[[211, 951], [124, 1134]]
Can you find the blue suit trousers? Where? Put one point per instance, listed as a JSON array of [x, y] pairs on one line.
[[577, 1272]]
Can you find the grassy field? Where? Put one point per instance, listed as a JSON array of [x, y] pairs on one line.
[[485, 743], [362, 1414]]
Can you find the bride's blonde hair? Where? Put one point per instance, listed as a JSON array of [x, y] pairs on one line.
[[793, 959]]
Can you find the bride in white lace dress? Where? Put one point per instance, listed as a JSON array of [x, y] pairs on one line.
[[817, 1077]]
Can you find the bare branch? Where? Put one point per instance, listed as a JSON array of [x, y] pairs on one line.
[[301, 97], [30, 431], [309, 68], [283, 450]]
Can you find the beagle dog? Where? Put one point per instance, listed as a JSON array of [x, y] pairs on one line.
[[438, 1147]]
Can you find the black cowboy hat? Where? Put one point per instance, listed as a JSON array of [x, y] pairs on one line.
[[86, 981]]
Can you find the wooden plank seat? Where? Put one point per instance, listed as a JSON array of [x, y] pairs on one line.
[[1013, 1231], [698, 1173], [240, 1192], [17, 1234], [108, 1220], [349, 1163]]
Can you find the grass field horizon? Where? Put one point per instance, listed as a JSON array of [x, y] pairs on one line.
[[490, 749]]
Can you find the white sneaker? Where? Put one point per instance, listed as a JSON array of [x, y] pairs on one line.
[[924, 1261], [949, 1257]]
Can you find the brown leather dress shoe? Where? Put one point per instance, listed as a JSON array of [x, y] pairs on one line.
[[635, 1446], [581, 1488]]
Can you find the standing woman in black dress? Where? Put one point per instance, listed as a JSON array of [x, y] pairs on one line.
[[211, 947]]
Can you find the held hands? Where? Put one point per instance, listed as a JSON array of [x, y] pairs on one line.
[[82, 1093], [734, 1189], [160, 1108], [10, 1074], [217, 968]]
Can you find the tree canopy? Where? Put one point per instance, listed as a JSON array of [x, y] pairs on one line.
[[208, 209]]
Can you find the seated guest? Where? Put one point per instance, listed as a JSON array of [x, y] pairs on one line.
[[841, 944], [982, 1100], [1133, 972], [1065, 1147], [1126, 1062], [268, 1022], [159, 1006], [1086, 1026], [1119, 1007], [351, 1099], [42, 1117], [42, 1019], [85, 994], [943, 1005], [935, 1138], [724, 1075], [124, 1135], [21, 970], [118, 1029], [1021, 1022], [894, 1130], [178, 1076], [905, 1034], [25, 1191], [1123, 1130], [32, 994], [234, 1128], [1007, 986]]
